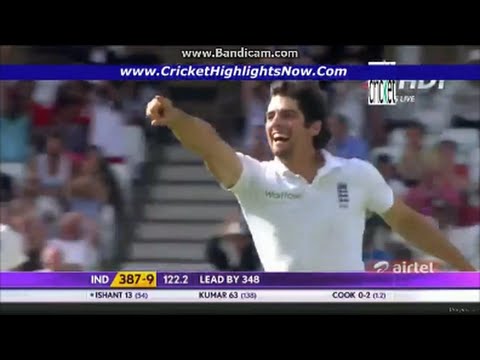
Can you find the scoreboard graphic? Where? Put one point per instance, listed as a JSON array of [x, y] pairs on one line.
[[170, 287]]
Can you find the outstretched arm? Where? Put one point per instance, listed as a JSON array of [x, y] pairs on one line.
[[415, 228], [199, 137], [411, 225]]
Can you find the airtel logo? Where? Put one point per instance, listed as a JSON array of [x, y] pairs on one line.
[[404, 267], [381, 266]]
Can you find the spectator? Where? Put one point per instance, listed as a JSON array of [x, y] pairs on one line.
[[386, 167], [452, 176], [414, 160], [343, 143], [429, 190], [350, 101], [40, 112], [96, 193], [449, 173], [255, 96], [45, 93], [71, 118], [133, 101], [107, 189], [107, 130], [15, 125], [11, 242], [25, 223], [52, 259], [233, 250], [46, 208], [53, 169], [77, 242], [86, 196]]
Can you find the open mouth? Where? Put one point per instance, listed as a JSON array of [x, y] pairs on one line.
[[279, 139]]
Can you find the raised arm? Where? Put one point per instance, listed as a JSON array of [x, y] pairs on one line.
[[199, 137], [415, 228]]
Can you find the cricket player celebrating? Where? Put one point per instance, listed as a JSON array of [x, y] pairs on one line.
[[306, 208]]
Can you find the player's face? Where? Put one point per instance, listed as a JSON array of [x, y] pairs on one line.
[[285, 126]]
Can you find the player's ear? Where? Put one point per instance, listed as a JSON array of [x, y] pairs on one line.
[[315, 128]]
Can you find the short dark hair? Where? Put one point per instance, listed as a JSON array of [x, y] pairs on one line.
[[311, 103]]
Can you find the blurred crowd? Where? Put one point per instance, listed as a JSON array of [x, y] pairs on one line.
[[70, 152], [81, 147]]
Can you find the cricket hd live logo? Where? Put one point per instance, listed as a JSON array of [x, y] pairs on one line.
[[382, 92], [391, 92]]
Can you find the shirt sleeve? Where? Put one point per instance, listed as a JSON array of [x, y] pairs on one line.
[[250, 178], [379, 195]]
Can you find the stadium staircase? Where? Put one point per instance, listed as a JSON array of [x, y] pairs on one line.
[[180, 208]]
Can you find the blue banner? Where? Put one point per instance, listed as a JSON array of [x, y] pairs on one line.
[[239, 72]]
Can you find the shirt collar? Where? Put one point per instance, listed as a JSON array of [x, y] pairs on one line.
[[331, 162]]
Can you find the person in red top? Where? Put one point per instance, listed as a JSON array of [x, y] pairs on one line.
[[456, 176], [68, 115], [41, 115], [447, 180], [449, 172]]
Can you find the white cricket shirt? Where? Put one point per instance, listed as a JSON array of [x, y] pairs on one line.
[[317, 227]]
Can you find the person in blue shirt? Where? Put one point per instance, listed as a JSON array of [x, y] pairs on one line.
[[14, 128], [343, 143]]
